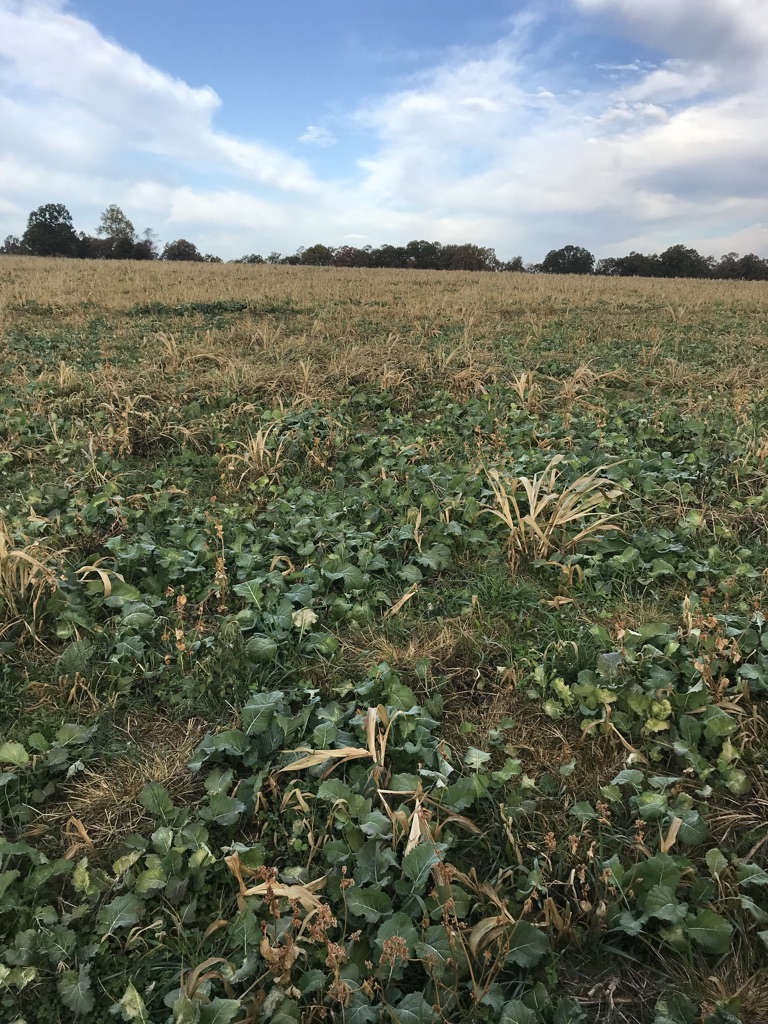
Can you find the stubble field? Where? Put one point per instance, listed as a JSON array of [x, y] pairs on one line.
[[381, 646]]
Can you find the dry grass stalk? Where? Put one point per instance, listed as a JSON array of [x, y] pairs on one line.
[[24, 579], [544, 521]]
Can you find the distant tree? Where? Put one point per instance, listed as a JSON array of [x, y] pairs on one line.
[[181, 249], [317, 255], [12, 246], [514, 266], [253, 258], [115, 224], [741, 268], [571, 259], [274, 257], [209, 258], [50, 232], [349, 256], [680, 261], [470, 257]]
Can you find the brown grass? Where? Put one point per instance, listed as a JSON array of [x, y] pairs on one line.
[[104, 800]]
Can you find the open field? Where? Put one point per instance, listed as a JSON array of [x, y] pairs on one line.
[[381, 646]]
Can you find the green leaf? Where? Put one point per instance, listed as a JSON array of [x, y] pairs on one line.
[[151, 880], [516, 1012], [223, 809], [75, 990], [250, 591], [662, 903], [711, 931], [370, 904], [259, 712], [220, 1011], [527, 945], [651, 806], [131, 1006], [13, 753], [414, 1009], [156, 799], [261, 648], [399, 924], [583, 811], [475, 758], [120, 913], [417, 864]]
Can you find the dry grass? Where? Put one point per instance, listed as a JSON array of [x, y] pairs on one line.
[[26, 576], [551, 517], [104, 802]]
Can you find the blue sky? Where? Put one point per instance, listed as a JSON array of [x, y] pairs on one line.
[[249, 127]]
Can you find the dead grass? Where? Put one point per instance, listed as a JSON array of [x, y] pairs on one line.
[[104, 802]]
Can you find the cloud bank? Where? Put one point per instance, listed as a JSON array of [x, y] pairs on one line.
[[508, 146]]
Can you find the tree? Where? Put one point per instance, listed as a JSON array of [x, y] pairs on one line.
[[571, 259], [114, 224], [50, 232], [12, 246], [680, 261], [253, 258], [181, 249], [514, 266], [317, 255]]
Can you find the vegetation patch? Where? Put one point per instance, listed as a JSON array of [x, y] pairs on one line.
[[381, 647]]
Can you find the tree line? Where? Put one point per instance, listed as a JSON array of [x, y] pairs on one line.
[[50, 232]]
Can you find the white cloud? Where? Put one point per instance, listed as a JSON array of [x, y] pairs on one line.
[[496, 146], [317, 135]]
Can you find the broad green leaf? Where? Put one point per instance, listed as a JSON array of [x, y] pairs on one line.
[[223, 809], [711, 931], [220, 1011], [516, 1012], [123, 911], [662, 903], [418, 864], [370, 904], [251, 591], [527, 945], [151, 880], [75, 990], [475, 758], [131, 1006], [584, 811], [414, 1009], [156, 799], [13, 753], [401, 925], [259, 712]]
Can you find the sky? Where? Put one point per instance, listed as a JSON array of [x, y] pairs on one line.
[[251, 127]]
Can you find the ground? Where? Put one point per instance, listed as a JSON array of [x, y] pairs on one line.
[[381, 645]]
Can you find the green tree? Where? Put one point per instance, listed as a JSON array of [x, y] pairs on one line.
[[12, 246], [571, 259], [317, 255], [181, 249], [680, 261], [115, 224], [50, 232]]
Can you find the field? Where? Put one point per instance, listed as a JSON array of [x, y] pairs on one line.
[[381, 646]]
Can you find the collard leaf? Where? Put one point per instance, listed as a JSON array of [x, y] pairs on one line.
[[662, 903], [370, 904], [131, 1006], [516, 1012], [123, 911], [259, 711], [223, 809], [157, 801], [414, 1009], [527, 945], [13, 753], [418, 864], [711, 931], [220, 1011], [75, 990]]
